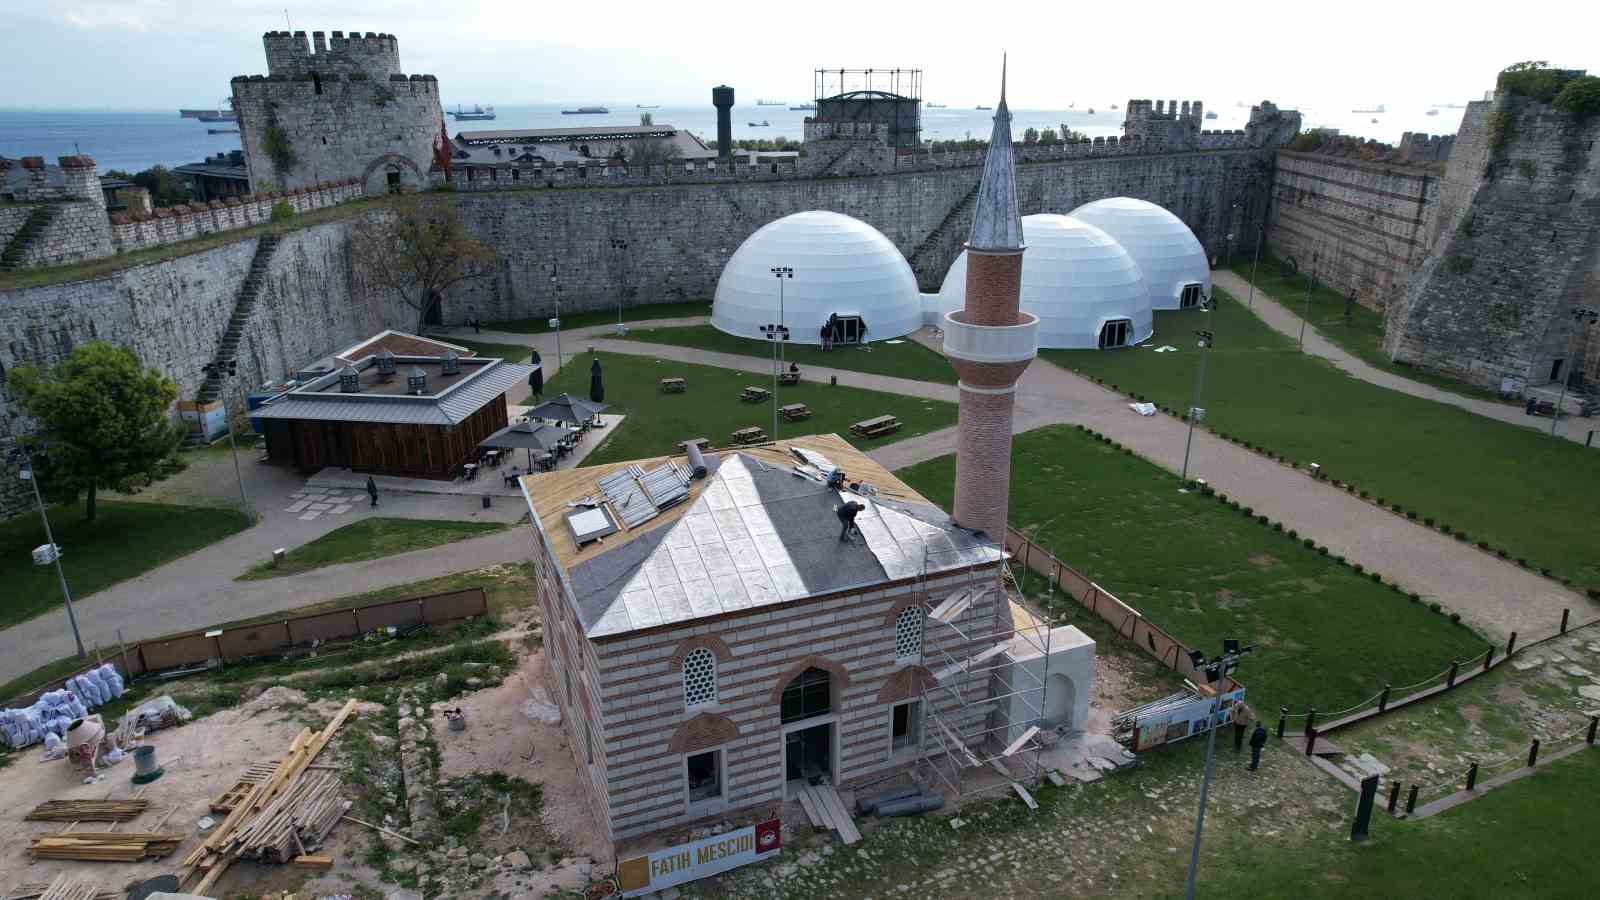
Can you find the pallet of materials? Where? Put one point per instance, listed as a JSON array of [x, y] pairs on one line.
[[87, 811], [105, 846]]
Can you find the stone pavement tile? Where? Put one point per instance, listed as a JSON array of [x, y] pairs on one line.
[[297, 495], [308, 516], [321, 507], [298, 505], [339, 510]]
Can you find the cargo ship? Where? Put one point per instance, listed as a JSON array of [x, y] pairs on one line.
[[476, 114], [586, 111], [770, 103]]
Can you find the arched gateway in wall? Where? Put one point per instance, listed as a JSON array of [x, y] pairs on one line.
[[386, 174]]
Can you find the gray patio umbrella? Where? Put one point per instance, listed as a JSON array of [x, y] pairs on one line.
[[566, 408], [525, 436]]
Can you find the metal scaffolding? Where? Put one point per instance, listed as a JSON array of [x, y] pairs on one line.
[[978, 657]]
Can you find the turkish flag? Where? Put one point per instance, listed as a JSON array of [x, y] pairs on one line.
[[769, 837]]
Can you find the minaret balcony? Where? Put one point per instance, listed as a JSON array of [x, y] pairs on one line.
[[991, 343]]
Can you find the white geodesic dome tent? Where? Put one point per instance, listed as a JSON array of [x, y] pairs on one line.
[[1078, 280], [842, 267], [1175, 266]]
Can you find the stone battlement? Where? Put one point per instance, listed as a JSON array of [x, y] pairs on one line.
[[171, 224], [375, 55], [1416, 147]]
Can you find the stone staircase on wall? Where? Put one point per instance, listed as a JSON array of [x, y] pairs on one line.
[[37, 223], [243, 308], [937, 236]]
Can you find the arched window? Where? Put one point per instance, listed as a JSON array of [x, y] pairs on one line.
[[699, 678], [908, 633], [809, 694]]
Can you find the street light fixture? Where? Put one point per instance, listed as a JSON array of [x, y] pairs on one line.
[[777, 334], [1206, 339], [1214, 670], [1300, 344], [218, 371], [1260, 234], [621, 246], [555, 321], [22, 456], [1579, 316], [781, 273]]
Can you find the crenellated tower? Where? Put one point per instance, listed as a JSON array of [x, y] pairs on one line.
[[991, 340]]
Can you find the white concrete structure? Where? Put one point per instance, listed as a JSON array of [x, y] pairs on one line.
[[1077, 279], [1066, 676], [842, 267], [1175, 266]]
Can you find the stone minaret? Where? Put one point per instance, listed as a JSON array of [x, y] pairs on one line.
[[991, 340]]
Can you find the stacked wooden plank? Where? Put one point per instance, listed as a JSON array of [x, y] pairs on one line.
[[64, 887], [252, 776], [220, 849], [87, 810], [294, 823], [105, 846], [825, 810]]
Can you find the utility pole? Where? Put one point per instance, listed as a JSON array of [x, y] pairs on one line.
[[555, 322], [23, 458], [1206, 339], [621, 245], [1215, 670], [1578, 316], [1260, 233], [218, 371], [1301, 343]]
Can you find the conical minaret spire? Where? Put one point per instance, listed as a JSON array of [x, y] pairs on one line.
[[996, 222], [991, 340]]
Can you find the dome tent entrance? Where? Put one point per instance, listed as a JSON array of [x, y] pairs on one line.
[[845, 271], [1085, 288], [1175, 266]]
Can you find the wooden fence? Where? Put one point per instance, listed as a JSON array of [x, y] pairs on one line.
[[266, 638], [1127, 621]]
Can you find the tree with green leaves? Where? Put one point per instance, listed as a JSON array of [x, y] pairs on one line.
[[417, 248], [1030, 136], [105, 419]]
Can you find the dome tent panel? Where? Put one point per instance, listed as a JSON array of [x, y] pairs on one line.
[[1163, 246], [842, 267], [1074, 278]]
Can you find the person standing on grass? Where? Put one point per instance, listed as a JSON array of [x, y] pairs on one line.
[[372, 491], [1258, 739]]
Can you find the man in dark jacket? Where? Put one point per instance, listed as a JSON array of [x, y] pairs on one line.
[[1258, 739]]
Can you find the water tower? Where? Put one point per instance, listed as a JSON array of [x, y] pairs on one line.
[[722, 99]]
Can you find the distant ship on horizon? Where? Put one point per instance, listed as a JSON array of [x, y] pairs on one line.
[[586, 111], [804, 107], [771, 103], [981, 106], [643, 106], [932, 105], [1375, 109], [477, 113]]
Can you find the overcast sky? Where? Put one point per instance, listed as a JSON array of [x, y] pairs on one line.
[[157, 54]]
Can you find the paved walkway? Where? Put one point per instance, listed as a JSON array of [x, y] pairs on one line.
[[1277, 315]]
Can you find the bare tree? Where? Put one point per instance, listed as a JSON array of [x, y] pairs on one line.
[[417, 248], [649, 152]]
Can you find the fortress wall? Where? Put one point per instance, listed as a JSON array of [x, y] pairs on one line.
[[173, 313], [11, 218], [1517, 249], [680, 235], [1365, 223], [171, 224]]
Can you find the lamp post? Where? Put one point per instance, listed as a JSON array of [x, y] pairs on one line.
[[1578, 316], [219, 371], [1214, 670], [1206, 339], [1300, 344], [621, 246], [777, 334], [781, 273], [1260, 233], [22, 457], [555, 321]]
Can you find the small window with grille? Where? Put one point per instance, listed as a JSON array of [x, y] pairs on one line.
[[1191, 297], [699, 678], [908, 633]]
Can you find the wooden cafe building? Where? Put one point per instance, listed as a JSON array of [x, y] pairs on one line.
[[389, 414]]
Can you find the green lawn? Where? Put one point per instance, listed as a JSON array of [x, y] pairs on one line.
[[371, 538], [1361, 336], [711, 408], [1325, 636], [1513, 487], [904, 360], [630, 315], [124, 540]]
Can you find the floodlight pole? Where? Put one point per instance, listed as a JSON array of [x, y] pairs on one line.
[[778, 335], [1578, 315], [1214, 672], [1301, 343], [219, 371], [622, 245], [31, 477], [1260, 233], [1206, 338]]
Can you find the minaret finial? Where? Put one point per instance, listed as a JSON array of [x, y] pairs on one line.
[[1002, 77]]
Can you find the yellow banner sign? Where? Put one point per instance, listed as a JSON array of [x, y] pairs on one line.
[[699, 859]]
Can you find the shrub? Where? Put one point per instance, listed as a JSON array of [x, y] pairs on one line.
[[1428, 521], [1580, 97], [1382, 502], [1363, 495], [1262, 519], [1522, 562], [1412, 515], [1415, 597], [282, 210], [1277, 526], [1376, 577], [1445, 529], [1435, 606], [1339, 560], [1533, 79], [1128, 451], [1594, 593], [1501, 553], [1233, 503], [1323, 549], [1545, 572], [1455, 617], [1359, 568], [1464, 537], [1248, 511], [1483, 545], [1310, 545], [1294, 535]]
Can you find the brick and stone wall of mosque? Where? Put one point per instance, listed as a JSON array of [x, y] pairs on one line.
[[1516, 249], [173, 313]]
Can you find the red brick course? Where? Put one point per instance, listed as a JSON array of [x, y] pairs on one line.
[[983, 462], [994, 288]]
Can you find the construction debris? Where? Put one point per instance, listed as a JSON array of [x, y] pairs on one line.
[[296, 821], [87, 811], [65, 887], [105, 846], [252, 776]]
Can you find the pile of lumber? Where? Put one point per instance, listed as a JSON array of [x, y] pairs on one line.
[[105, 846], [252, 776], [257, 820], [87, 810], [294, 823], [65, 887]]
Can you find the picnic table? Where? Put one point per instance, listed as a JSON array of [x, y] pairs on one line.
[[673, 386], [788, 378], [469, 471], [753, 394], [750, 435], [794, 412], [876, 427], [683, 446]]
